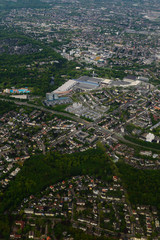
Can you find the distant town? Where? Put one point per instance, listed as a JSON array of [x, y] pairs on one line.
[[117, 35]]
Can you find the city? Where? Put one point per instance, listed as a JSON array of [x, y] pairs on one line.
[[80, 120]]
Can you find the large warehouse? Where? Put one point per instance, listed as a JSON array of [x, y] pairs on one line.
[[88, 83], [66, 87], [84, 83]]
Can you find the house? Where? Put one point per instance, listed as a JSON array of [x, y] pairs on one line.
[[20, 223], [31, 234], [80, 202], [115, 178], [15, 236], [28, 211]]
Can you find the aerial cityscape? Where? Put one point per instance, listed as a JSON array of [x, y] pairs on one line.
[[80, 119]]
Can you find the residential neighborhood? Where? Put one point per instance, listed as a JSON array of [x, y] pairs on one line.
[[91, 205]]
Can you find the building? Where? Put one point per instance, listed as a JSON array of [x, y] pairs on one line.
[[65, 88], [49, 96], [88, 83], [17, 91], [129, 78], [54, 99], [141, 78]]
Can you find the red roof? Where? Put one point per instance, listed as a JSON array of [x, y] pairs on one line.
[[17, 236], [21, 223]]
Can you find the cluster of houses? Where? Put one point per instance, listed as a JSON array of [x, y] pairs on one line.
[[141, 159], [90, 204], [28, 132]]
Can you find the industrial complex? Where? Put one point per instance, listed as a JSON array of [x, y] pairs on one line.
[[85, 83]]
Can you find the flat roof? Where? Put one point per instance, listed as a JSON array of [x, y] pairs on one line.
[[85, 83], [87, 86], [90, 79], [107, 81], [66, 86]]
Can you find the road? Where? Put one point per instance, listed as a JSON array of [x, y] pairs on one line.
[[47, 110], [75, 118], [87, 124]]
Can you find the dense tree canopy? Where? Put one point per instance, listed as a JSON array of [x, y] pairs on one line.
[[40, 171], [6, 107], [143, 186]]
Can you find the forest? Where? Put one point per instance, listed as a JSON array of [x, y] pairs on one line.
[[6, 107], [32, 65], [143, 186], [42, 170]]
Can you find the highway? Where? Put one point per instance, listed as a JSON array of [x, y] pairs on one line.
[[46, 110], [75, 118], [87, 124]]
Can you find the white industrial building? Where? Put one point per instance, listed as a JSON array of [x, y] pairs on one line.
[[68, 86]]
